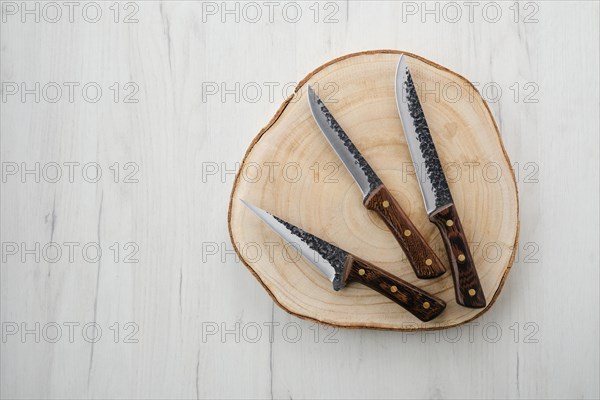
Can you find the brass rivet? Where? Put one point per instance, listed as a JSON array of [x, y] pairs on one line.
[[361, 272], [385, 204], [407, 233], [472, 292], [393, 289], [461, 257], [449, 223], [428, 261], [426, 305]]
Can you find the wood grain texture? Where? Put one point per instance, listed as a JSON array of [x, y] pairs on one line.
[[539, 72], [423, 260], [467, 288], [414, 300], [365, 106]]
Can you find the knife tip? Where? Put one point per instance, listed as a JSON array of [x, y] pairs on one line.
[[312, 98], [401, 62], [251, 207]]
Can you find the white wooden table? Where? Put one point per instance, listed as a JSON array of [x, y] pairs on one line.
[[162, 99]]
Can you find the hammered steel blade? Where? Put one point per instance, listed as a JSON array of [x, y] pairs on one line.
[[376, 197], [434, 187], [355, 163], [341, 267], [436, 194], [331, 259]]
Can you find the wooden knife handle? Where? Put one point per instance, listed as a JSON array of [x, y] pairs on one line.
[[467, 287], [422, 258], [414, 300]]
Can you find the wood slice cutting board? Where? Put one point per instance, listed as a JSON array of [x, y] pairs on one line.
[[291, 171]]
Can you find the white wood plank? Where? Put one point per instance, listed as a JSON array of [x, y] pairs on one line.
[[179, 290]]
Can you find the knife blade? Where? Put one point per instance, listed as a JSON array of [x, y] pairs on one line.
[[436, 193], [376, 196], [341, 268]]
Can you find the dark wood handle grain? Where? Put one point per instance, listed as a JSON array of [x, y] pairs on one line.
[[416, 301], [467, 287], [420, 255]]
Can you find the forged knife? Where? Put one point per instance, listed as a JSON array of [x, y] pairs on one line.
[[436, 194], [376, 196], [341, 268]]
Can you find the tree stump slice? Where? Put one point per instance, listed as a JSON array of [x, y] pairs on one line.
[[291, 171]]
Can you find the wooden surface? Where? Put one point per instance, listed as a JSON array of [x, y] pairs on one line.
[[463, 131], [187, 276]]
